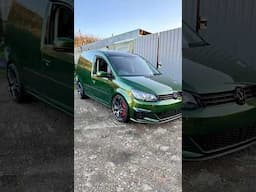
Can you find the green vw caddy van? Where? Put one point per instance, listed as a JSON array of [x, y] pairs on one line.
[[130, 85], [39, 37], [219, 95]]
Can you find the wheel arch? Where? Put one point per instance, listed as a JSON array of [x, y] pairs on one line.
[[125, 94]]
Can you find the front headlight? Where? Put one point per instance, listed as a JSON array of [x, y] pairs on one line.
[[189, 101], [143, 96]]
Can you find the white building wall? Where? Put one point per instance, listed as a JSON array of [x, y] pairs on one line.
[[126, 46]]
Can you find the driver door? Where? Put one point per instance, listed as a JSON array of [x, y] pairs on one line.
[[103, 87], [57, 56]]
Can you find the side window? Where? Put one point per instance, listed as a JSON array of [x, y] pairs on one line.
[[101, 65], [60, 24], [64, 23]]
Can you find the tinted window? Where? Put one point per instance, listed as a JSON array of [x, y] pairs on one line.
[[132, 65], [65, 23], [60, 24], [101, 65]]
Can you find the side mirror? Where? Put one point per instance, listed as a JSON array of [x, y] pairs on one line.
[[63, 44], [159, 65], [104, 74], [202, 23]]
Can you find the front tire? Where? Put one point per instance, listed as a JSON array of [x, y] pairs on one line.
[[120, 109], [16, 89], [80, 90]]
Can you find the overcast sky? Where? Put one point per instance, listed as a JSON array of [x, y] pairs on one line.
[[102, 18]]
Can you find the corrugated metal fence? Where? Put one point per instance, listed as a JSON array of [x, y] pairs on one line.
[[189, 12], [231, 25], [170, 53], [163, 48], [147, 47]]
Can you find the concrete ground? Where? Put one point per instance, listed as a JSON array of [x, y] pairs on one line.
[[235, 173], [36, 146], [115, 157]]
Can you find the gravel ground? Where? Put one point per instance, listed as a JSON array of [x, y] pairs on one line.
[[36, 153], [234, 173], [36, 146], [115, 157]]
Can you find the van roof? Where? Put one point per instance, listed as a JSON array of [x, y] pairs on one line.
[[111, 53]]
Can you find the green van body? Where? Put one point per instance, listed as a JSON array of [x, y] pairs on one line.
[[104, 89], [42, 52]]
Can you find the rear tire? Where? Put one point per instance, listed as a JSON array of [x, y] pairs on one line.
[[16, 88], [120, 108]]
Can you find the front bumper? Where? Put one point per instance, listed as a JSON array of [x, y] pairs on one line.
[[155, 112], [218, 130]]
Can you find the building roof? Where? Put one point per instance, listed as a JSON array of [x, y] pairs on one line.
[[115, 39], [116, 53]]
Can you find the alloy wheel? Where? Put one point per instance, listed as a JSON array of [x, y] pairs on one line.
[[80, 90], [15, 87], [120, 108]]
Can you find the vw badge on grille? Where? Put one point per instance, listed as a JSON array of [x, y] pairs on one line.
[[174, 95], [240, 96]]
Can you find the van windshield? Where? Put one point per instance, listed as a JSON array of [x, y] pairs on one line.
[[132, 65], [190, 38]]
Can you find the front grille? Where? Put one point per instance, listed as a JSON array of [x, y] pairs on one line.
[[164, 115], [224, 97], [157, 116], [225, 139], [217, 98], [142, 115], [168, 96]]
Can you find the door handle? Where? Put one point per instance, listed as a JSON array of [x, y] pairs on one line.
[[47, 62]]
